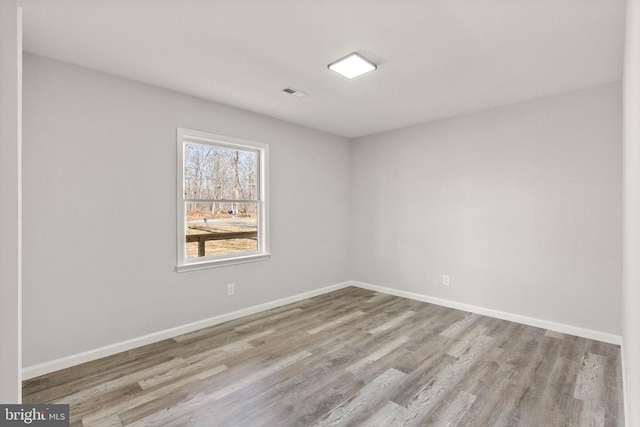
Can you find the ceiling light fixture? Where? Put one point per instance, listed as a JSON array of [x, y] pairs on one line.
[[352, 65]]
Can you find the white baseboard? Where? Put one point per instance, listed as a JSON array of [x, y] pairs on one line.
[[531, 321], [87, 356]]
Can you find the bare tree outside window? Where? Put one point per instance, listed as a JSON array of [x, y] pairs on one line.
[[221, 192], [221, 200]]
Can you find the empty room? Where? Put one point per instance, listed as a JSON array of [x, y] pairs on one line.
[[314, 213]]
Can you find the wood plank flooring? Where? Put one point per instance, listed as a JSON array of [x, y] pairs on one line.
[[349, 358]]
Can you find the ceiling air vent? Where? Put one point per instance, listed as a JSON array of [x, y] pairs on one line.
[[295, 92]]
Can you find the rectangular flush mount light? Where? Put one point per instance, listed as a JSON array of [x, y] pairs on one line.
[[352, 65]]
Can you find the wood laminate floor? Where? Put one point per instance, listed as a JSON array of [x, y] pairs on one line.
[[350, 357]]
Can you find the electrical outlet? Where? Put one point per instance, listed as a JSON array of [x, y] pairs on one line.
[[445, 280], [231, 290]]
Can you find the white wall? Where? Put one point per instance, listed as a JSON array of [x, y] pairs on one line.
[[631, 278], [100, 216], [520, 206], [10, 193]]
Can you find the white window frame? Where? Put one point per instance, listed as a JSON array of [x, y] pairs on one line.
[[262, 253]]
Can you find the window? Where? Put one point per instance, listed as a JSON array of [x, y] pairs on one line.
[[222, 204]]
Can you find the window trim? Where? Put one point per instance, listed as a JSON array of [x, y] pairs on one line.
[[188, 264]]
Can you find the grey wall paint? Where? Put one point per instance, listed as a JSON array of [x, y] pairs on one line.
[[631, 277], [99, 211], [521, 206], [10, 216]]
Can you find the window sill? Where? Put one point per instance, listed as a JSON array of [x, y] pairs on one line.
[[222, 262]]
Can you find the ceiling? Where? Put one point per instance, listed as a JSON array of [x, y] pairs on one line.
[[436, 58]]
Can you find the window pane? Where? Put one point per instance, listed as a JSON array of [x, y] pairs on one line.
[[215, 228], [212, 172]]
